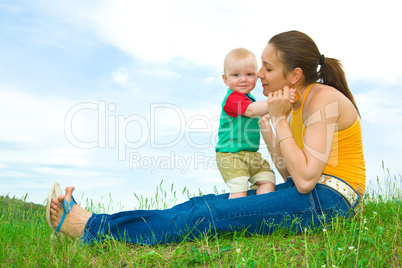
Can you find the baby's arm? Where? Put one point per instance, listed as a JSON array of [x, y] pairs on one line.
[[256, 109], [260, 108]]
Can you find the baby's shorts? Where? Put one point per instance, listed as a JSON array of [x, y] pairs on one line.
[[238, 169]]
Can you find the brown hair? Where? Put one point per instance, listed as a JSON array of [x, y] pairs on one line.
[[238, 54], [296, 49]]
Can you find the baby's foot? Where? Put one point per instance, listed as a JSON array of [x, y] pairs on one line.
[[75, 221]]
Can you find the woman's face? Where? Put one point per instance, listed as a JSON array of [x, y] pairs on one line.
[[271, 72]]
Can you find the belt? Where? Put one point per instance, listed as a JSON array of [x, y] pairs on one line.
[[341, 187]]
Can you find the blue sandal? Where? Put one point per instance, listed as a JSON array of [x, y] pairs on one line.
[[54, 194], [67, 209]]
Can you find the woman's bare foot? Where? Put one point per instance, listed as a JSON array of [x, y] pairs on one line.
[[79, 210], [75, 221]]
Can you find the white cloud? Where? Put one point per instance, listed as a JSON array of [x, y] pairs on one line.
[[381, 105], [135, 91], [34, 130], [69, 172], [213, 81], [30, 118], [121, 76], [161, 73], [204, 31], [65, 160], [161, 30]]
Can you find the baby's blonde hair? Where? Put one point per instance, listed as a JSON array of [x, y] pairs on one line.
[[237, 54]]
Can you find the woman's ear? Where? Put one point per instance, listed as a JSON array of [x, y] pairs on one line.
[[295, 75]]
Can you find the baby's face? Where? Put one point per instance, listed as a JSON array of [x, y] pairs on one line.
[[241, 75]]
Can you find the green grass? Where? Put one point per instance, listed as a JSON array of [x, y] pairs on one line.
[[371, 239]]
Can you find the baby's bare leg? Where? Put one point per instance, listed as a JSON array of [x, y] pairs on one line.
[[237, 195], [265, 187]]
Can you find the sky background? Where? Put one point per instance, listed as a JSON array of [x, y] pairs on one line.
[[115, 96]]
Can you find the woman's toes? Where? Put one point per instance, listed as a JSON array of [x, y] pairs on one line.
[[55, 205], [61, 198], [69, 190]]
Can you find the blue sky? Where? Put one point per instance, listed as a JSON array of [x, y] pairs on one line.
[[115, 96]]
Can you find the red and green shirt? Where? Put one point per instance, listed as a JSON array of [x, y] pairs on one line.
[[236, 131]]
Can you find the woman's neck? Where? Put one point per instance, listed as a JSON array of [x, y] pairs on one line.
[[301, 91]]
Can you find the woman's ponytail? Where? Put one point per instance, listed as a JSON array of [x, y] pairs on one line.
[[332, 74]]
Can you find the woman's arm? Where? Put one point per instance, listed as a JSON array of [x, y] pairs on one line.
[[272, 145], [306, 166]]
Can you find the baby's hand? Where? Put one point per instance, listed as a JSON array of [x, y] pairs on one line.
[[292, 95]]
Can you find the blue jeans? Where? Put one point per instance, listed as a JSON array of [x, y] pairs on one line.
[[213, 214]]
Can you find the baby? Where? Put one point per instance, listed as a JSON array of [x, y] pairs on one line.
[[239, 132]]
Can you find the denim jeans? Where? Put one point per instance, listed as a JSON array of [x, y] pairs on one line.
[[213, 214]]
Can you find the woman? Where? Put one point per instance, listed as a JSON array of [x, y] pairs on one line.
[[318, 153]]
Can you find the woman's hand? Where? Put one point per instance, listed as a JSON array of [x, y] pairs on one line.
[[280, 104]]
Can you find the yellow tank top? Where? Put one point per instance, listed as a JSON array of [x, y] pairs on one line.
[[346, 159]]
